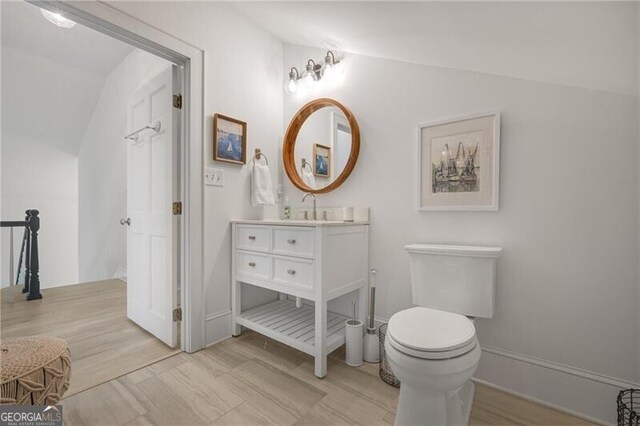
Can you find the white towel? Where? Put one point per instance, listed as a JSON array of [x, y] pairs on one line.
[[261, 189], [309, 179]]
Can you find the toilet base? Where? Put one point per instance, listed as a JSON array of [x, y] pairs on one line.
[[417, 407], [466, 399]]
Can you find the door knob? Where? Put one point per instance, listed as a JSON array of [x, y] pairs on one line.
[[126, 221]]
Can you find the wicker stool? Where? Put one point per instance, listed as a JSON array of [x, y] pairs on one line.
[[34, 370]]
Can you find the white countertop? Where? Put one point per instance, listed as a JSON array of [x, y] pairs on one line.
[[291, 222]]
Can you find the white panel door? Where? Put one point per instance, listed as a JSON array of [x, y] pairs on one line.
[[151, 243]]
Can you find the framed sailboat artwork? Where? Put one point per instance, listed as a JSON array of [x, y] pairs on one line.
[[459, 163], [229, 139]]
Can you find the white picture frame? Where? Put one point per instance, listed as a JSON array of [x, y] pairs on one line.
[[472, 181]]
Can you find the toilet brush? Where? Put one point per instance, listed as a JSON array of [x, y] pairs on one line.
[[371, 340], [353, 337]]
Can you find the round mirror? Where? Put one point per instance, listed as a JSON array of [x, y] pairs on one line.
[[321, 146]]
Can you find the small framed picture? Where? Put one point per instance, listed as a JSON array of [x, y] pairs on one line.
[[459, 163], [321, 160], [229, 139]]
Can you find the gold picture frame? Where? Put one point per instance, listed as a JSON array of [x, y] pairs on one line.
[[229, 139], [321, 160]]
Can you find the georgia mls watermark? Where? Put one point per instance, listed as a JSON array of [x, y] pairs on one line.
[[30, 415]]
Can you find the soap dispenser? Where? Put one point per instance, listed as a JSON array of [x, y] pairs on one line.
[[286, 211]]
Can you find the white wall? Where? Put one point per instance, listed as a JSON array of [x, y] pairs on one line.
[[48, 184], [39, 161], [568, 281], [243, 79], [102, 170]]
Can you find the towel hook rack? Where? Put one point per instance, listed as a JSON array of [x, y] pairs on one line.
[[134, 135], [259, 154], [305, 163]]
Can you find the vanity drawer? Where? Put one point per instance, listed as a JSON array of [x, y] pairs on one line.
[[249, 237], [292, 241], [297, 273], [253, 265]]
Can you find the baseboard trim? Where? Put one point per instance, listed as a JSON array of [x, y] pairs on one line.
[[218, 341], [563, 368], [217, 327], [540, 402], [575, 391], [379, 321]]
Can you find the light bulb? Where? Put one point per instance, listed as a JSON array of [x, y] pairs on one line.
[[337, 72], [328, 72], [57, 19], [308, 79], [292, 86]]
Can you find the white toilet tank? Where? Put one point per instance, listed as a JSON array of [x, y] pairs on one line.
[[459, 279]]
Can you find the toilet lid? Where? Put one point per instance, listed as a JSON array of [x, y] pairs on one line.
[[424, 329]]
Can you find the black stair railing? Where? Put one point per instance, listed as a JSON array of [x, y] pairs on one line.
[[28, 253]]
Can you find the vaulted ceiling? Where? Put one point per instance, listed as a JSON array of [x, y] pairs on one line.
[[51, 77]]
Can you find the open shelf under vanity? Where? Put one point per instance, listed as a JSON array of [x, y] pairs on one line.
[[295, 327]]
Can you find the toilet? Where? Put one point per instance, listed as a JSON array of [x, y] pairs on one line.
[[432, 348]]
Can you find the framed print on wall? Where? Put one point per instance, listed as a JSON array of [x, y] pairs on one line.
[[459, 163], [321, 160], [229, 139]]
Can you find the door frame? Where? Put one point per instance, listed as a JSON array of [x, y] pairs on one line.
[[112, 22]]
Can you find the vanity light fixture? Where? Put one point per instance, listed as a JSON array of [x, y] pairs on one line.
[[313, 73], [57, 19]]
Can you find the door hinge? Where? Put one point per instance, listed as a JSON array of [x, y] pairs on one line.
[[177, 314], [177, 101], [177, 208]]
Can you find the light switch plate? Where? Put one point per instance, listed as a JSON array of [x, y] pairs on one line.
[[214, 177]]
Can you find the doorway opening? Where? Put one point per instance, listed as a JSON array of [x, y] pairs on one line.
[[110, 247]]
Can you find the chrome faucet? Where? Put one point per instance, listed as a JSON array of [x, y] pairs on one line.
[[304, 197]]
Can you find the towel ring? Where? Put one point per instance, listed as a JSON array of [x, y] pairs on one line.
[[259, 154], [305, 163]]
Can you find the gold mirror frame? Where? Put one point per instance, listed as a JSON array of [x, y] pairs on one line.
[[292, 134]]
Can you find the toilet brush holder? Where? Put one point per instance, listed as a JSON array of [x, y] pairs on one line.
[[371, 346], [353, 335], [371, 340]]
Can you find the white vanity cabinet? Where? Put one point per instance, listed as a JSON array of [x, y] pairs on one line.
[[315, 261]]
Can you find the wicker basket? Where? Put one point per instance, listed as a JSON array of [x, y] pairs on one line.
[[629, 407], [385, 370]]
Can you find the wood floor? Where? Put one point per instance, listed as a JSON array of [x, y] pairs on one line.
[[251, 380], [92, 319]]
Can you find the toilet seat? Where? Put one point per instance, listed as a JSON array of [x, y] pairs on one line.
[[431, 334]]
